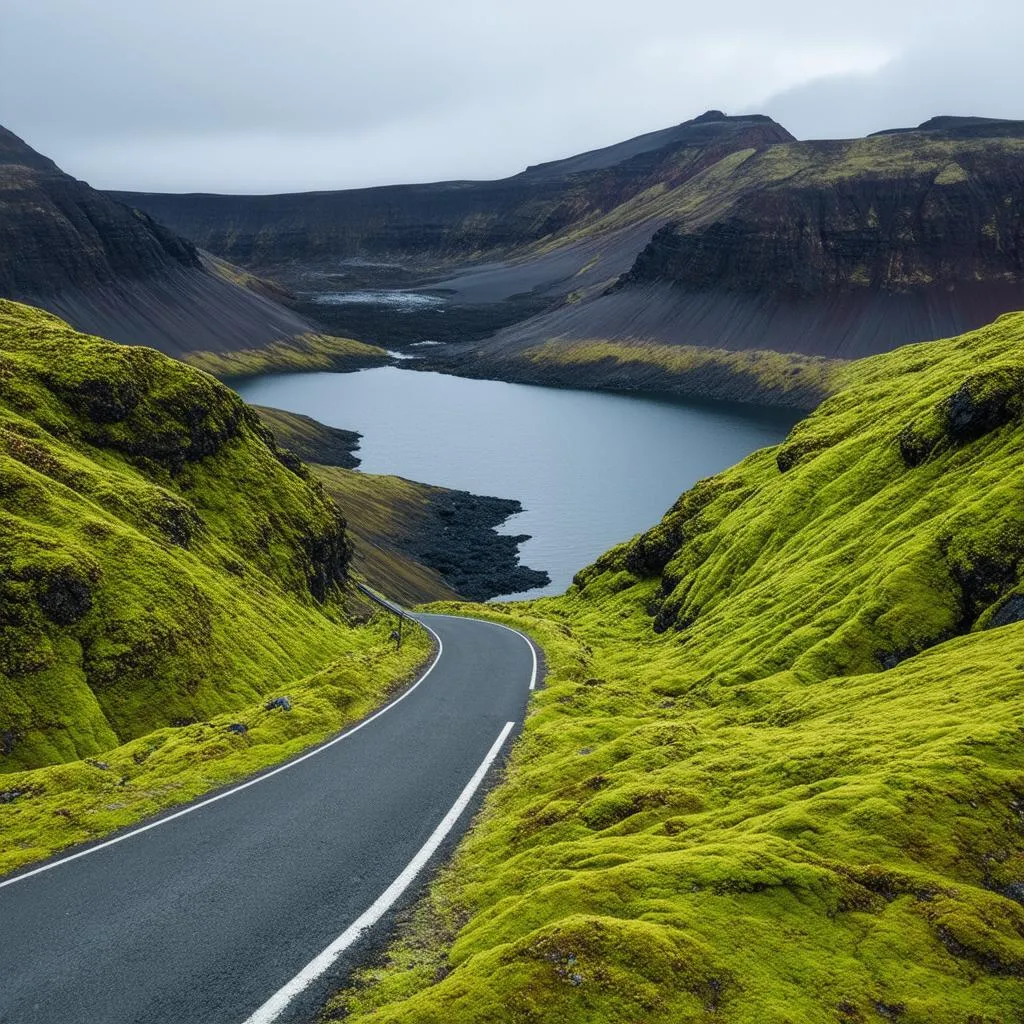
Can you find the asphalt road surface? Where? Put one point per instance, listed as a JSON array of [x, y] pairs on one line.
[[253, 906]]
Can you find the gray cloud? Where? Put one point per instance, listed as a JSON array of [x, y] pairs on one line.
[[243, 95], [977, 73]]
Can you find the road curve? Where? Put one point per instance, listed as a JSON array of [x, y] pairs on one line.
[[238, 910]]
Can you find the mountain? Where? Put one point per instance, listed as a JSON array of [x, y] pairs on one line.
[[680, 260], [831, 250], [452, 220], [113, 271], [166, 569], [775, 772]]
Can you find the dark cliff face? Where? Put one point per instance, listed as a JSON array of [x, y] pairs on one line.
[[113, 270], [57, 233], [836, 249], [457, 219], [934, 225]]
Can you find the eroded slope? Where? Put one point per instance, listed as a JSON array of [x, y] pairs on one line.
[[112, 270]]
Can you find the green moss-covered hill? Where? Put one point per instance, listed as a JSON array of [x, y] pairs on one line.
[[777, 771], [162, 560]]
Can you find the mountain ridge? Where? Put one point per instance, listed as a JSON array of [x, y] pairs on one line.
[[116, 272], [718, 235]]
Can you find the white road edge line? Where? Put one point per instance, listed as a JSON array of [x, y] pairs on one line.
[[501, 625], [529, 643], [278, 1002], [234, 789]]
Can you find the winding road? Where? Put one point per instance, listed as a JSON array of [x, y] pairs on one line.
[[250, 906]]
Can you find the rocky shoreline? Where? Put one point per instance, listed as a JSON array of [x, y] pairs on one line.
[[458, 538], [419, 542]]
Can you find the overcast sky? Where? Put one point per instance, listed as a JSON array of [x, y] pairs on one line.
[[251, 96]]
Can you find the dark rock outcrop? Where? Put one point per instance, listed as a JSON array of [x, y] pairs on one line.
[[916, 444], [66, 595], [457, 539], [1009, 612], [985, 402], [112, 270], [328, 555]]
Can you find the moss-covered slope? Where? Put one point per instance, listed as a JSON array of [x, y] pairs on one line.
[[161, 559], [415, 542], [776, 774]]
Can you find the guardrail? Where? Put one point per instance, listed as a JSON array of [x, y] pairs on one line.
[[387, 606]]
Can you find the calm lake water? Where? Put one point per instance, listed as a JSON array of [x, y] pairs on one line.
[[591, 469]]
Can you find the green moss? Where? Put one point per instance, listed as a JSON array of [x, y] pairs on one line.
[[775, 772], [306, 352], [162, 561], [790, 378]]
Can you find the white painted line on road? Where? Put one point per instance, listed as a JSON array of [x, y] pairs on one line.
[[278, 1002], [529, 643], [500, 625], [234, 789]]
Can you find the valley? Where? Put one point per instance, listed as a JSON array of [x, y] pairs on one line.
[[720, 244], [728, 426]]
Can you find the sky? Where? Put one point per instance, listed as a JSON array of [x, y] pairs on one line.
[[252, 96]]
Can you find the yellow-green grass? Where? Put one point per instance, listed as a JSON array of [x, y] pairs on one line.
[[748, 817], [80, 800], [162, 562], [380, 510], [778, 373], [305, 352]]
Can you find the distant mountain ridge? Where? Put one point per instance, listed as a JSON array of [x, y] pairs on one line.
[[954, 127], [718, 235], [114, 271], [453, 219]]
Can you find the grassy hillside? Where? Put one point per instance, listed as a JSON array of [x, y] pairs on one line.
[[304, 352], [163, 563], [384, 514], [761, 377], [312, 440], [415, 542], [776, 772]]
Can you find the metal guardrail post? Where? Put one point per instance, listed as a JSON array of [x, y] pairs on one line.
[[388, 606]]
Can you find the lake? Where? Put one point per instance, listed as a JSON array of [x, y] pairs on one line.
[[590, 468]]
